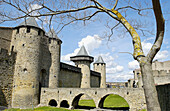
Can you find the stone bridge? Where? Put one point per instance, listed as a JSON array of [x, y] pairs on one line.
[[133, 96]]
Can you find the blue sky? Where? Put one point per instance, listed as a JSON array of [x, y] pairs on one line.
[[119, 63]]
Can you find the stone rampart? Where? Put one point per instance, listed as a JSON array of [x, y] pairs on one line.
[[164, 96], [161, 77], [6, 77]]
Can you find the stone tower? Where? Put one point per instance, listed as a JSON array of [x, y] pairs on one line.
[[83, 61], [55, 48], [100, 66], [26, 40]]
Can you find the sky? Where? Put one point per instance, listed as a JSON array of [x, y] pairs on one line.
[[115, 53]]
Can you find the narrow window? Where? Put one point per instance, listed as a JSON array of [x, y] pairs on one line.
[[39, 32], [28, 29], [58, 42], [12, 48], [17, 30]]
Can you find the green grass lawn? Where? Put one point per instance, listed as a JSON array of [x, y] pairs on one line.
[[110, 101], [115, 101]]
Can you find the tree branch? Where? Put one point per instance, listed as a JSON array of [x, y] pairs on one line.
[[115, 5], [139, 10], [160, 30]]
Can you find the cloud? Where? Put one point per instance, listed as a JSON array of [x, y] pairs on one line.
[[91, 42], [121, 77], [116, 69], [146, 47], [88, 42], [108, 59], [67, 57], [133, 65], [111, 65], [159, 56]]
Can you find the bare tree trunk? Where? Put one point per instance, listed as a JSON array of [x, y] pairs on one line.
[[149, 86]]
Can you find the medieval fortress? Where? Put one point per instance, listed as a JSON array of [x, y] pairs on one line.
[[31, 72]]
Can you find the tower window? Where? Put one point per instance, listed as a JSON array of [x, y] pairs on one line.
[[25, 70], [39, 32], [28, 29], [12, 48], [17, 30]]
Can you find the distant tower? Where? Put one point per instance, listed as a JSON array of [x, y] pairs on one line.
[[100, 66], [55, 48], [26, 40], [83, 61]]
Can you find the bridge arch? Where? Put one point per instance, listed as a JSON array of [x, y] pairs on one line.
[[64, 103], [76, 99], [102, 100], [52, 102]]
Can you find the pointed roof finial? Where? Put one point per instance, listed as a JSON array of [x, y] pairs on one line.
[[82, 51], [100, 60]]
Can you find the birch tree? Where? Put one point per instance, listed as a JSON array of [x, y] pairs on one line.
[[70, 11]]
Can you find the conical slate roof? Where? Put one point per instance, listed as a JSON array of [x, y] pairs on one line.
[[29, 22], [99, 60], [52, 34], [82, 52]]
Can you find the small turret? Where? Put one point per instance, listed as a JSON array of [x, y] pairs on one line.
[[55, 49], [83, 61], [100, 66]]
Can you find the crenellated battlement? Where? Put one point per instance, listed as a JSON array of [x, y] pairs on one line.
[[158, 73]]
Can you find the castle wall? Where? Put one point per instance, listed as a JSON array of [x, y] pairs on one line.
[[164, 96], [6, 77], [161, 77], [95, 79], [161, 65], [5, 37], [45, 59], [69, 76]]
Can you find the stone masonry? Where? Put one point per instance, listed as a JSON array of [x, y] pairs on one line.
[[30, 60]]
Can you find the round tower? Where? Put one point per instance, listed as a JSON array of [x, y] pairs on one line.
[[25, 42], [55, 49], [100, 66], [83, 61]]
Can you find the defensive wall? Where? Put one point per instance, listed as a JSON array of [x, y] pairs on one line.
[[134, 97], [6, 76], [161, 77], [164, 96]]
